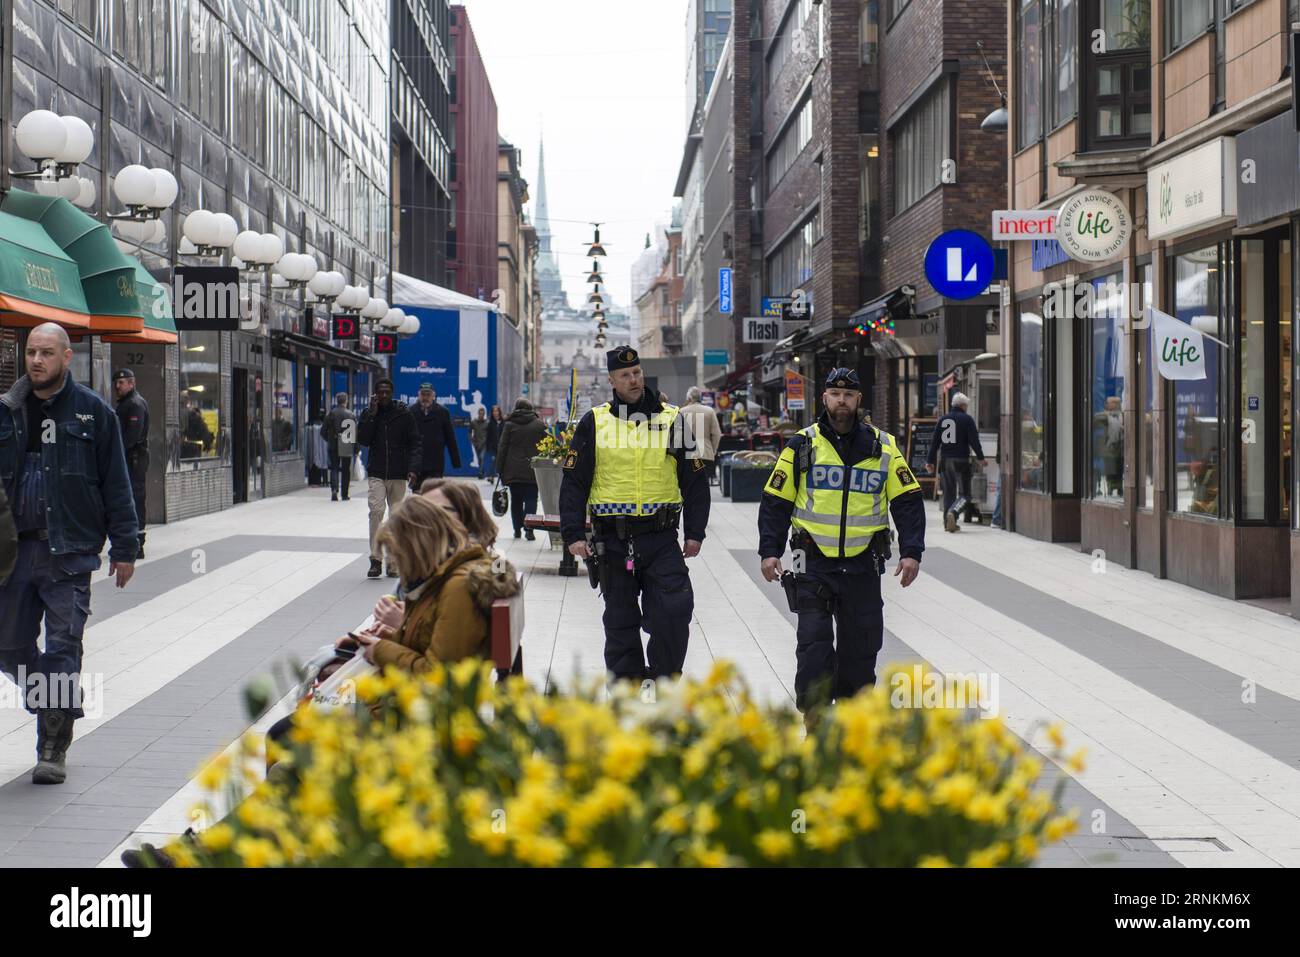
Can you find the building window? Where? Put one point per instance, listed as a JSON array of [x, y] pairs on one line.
[[199, 394], [1029, 80], [869, 149], [1197, 411], [869, 31], [1120, 87], [1188, 19], [1033, 402], [918, 148], [1107, 386], [677, 261], [284, 395], [1061, 31], [790, 267], [896, 7], [784, 46], [792, 141]]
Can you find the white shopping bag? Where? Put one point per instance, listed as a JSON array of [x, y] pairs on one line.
[[358, 472], [340, 689]]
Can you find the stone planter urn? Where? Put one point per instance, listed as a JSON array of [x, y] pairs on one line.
[[549, 476]]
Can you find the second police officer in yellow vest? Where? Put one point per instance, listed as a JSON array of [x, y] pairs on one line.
[[633, 467], [833, 490]]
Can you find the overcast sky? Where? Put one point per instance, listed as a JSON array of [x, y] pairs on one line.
[[606, 83]]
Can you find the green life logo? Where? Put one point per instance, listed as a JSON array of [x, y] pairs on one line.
[[1180, 352], [1166, 198], [1096, 224]]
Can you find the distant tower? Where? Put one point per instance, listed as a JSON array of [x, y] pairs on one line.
[[548, 272]]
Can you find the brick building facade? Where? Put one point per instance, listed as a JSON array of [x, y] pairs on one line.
[[472, 235]]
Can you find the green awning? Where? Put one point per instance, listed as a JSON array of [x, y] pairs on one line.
[[156, 306], [38, 281], [107, 275]]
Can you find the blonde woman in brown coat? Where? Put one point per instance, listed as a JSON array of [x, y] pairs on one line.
[[449, 590]]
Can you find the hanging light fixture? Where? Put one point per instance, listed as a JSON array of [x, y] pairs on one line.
[[595, 276], [596, 298], [258, 252], [296, 269], [327, 286], [596, 249]]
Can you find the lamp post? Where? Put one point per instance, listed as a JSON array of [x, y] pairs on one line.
[[58, 145]]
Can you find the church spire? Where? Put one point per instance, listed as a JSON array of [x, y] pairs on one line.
[[547, 270]]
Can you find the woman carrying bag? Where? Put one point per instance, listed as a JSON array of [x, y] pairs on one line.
[[519, 438]]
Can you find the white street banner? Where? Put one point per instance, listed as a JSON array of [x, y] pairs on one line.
[[1179, 349]]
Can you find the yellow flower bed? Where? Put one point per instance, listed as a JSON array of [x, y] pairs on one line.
[[452, 769]]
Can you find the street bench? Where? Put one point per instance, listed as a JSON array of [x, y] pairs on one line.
[[551, 525]]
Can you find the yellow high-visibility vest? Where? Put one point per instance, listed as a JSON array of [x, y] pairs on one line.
[[635, 473], [841, 506]]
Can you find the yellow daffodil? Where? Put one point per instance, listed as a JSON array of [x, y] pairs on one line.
[[775, 845]]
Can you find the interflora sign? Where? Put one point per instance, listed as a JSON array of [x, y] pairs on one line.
[[1010, 225], [1192, 191], [1093, 226]]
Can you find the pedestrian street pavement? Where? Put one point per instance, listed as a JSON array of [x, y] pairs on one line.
[[1188, 704]]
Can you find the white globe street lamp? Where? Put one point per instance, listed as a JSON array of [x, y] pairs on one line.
[[58, 144], [144, 192]]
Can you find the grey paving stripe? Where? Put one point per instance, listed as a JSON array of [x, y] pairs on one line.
[[127, 768], [1211, 693], [1079, 850]]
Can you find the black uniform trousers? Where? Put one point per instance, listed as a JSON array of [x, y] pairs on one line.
[[137, 467], [663, 585], [835, 656]]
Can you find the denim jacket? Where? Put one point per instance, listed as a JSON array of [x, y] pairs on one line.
[[87, 487]]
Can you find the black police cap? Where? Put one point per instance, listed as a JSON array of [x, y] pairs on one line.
[[123, 374], [624, 358], [843, 378]]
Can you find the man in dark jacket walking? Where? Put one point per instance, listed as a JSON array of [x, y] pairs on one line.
[[64, 471], [437, 437], [519, 438], [133, 418], [8, 537], [388, 429], [956, 436], [339, 430]]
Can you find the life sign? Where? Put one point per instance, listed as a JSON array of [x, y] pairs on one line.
[[347, 328], [1093, 226], [1180, 349]]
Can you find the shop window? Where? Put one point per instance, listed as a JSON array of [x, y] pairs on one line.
[[1196, 410], [1033, 403], [284, 414], [199, 395], [1107, 359], [869, 31], [1150, 383]]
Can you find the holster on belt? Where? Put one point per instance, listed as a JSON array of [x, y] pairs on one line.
[[880, 550]]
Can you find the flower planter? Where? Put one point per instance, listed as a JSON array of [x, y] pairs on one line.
[[747, 481], [549, 476]]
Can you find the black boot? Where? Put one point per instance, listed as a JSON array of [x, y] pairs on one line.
[[140, 550], [376, 568], [53, 738], [528, 534], [150, 856]]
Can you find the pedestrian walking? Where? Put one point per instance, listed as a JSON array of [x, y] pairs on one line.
[[339, 430], [478, 438], [628, 467], [388, 429], [835, 485], [133, 419], [956, 436], [437, 437], [703, 421], [514, 456], [496, 423], [64, 472]]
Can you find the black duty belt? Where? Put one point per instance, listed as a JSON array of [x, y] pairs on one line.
[[623, 527], [34, 535]]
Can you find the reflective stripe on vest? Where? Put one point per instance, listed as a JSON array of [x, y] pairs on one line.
[[820, 508], [635, 474]]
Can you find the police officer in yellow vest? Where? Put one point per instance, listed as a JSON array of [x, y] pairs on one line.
[[832, 487], [634, 468]]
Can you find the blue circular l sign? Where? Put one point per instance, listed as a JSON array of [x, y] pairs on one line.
[[959, 264]]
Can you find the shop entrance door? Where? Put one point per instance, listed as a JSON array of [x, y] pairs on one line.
[[239, 432], [1264, 379]]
